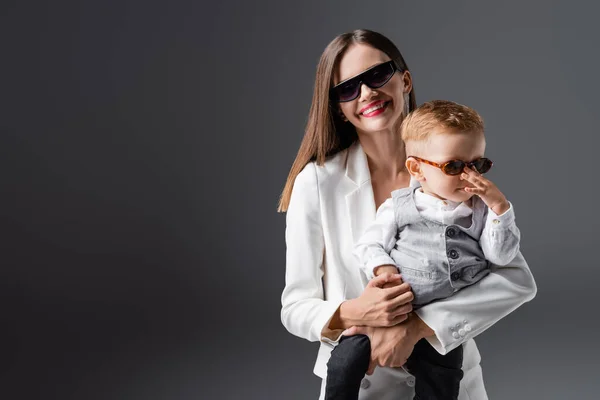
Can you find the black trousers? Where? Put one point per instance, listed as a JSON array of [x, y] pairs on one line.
[[437, 376]]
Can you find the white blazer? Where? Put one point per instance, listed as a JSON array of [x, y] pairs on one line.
[[330, 208]]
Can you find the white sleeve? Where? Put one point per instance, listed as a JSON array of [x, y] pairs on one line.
[[500, 237], [477, 307], [304, 311], [373, 248]]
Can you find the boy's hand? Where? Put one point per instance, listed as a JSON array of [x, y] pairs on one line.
[[391, 269], [486, 190]]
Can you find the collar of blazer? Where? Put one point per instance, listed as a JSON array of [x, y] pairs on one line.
[[360, 202], [357, 167]]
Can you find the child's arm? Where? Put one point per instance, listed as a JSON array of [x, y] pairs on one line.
[[373, 248], [500, 237]]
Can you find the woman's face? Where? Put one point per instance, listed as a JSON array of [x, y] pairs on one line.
[[374, 110]]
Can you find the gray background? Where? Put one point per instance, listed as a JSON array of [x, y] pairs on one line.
[[144, 145]]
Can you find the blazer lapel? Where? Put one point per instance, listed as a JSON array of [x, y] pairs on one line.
[[360, 203]]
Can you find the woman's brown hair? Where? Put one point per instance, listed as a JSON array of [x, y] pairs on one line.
[[326, 133]]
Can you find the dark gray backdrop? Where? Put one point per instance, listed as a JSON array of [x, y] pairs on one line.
[[144, 147]]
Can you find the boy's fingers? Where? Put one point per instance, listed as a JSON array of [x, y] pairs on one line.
[[473, 170], [477, 181], [474, 190]]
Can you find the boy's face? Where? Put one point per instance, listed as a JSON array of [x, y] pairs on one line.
[[440, 148]]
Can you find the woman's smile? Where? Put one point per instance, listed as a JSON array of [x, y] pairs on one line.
[[373, 109]]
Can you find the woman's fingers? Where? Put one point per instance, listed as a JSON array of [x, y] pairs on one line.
[[384, 278], [371, 368], [398, 314], [404, 298], [396, 319], [393, 292], [350, 331], [402, 310], [355, 330]]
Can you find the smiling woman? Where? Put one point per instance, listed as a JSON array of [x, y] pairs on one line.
[[351, 158]]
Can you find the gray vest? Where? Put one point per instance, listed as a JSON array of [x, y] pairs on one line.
[[437, 260]]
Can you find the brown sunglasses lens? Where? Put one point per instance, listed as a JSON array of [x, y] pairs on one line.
[[453, 167], [481, 165]]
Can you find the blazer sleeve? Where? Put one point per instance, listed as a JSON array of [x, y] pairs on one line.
[[304, 311], [475, 308]]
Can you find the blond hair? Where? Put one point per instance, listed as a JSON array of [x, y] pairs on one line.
[[449, 116]]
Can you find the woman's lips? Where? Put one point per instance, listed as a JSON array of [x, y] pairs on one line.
[[374, 109]]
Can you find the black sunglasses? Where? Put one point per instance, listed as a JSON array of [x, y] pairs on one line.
[[455, 167], [375, 77]]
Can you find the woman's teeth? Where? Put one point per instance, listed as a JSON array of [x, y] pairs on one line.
[[374, 108]]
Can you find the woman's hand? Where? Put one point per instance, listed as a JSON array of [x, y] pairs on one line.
[[378, 306], [391, 347]]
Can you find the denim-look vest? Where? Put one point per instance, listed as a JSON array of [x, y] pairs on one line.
[[436, 259]]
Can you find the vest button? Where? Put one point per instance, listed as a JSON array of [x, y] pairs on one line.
[[450, 232], [455, 276], [453, 254]]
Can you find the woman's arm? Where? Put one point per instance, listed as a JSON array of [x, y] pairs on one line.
[[304, 311], [477, 307]]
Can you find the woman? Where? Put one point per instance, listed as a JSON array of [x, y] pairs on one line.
[[350, 160]]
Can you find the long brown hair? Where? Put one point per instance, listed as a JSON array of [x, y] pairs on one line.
[[326, 133]]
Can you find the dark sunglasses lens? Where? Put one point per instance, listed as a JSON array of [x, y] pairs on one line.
[[379, 76], [454, 167], [482, 165], [347, 91]]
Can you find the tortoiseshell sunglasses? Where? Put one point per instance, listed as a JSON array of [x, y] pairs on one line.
[[455, 167]]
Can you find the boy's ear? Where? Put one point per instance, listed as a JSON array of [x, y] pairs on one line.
[[414, 169]]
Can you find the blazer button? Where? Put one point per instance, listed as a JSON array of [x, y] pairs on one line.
[[455, 276], [453, 254], [455, 335], [365, 383], [450, 232]]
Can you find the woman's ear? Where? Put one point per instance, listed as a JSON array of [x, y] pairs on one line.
[[414, 169], [407, 80]]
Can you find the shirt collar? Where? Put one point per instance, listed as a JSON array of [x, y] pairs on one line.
[[432, 201]]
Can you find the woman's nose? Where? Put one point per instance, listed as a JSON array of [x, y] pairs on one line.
[[366, 92]]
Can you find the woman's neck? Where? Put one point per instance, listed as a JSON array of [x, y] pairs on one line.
[[385, 153]]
